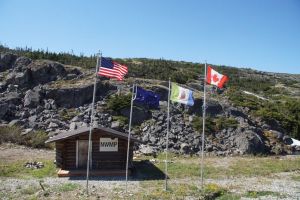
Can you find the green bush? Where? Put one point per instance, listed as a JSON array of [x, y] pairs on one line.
[[34, 139], [224, 123], [210, 126], [118, 102], [287, 113]]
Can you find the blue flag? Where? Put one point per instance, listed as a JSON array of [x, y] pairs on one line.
[[147, 97]]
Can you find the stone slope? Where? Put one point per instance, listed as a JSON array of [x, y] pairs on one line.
[[46, 95]]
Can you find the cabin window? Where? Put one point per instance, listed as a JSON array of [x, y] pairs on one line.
[[109, 144]]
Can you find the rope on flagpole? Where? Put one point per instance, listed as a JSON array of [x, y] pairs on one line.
[[129, 132], [203, 126], [167, 141], [91, 125]]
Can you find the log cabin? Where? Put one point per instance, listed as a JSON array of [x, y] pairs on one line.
[[108, 157]]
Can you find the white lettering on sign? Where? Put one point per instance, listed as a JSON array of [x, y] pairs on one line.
[[108, 144]]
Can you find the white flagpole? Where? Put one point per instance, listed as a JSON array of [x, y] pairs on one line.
[[91, 125], [203, 126], [167, 142], [129, 132]]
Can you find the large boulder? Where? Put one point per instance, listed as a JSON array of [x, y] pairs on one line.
[[213, 108], [249, 142], [32, 98], [139, 114], [21, 63], [3, 109], [6, 61], [22, 79], [8, 104], [44, 71], [77, 96]]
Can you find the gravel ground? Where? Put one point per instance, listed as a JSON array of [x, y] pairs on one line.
[[112, 188], [12, 188]]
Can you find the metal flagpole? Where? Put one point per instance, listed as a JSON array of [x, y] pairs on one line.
[[167, 142], [91, 125], [203, 126], [129, 132]]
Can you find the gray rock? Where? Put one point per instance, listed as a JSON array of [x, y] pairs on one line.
[[11, 98], [73, 126], [147, 150], [77, 96], [3, 109], [277, 134], [53, 125], [21, 63], [213, 108], [75, 119], [184, 148], [71, 76], [32, 120], [26, 131], [139, 116], [15, 122], [153, 139], [44, 71], [6, 61], [249, 142], [32, 98], [115, 124], [287, 140]]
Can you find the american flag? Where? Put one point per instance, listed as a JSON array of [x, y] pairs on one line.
[[112, 69]]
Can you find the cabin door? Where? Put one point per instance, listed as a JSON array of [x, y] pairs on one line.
[[82, 153]]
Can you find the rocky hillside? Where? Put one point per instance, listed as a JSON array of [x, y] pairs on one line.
[[256, 113]]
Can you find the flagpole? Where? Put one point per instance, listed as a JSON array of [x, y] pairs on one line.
[[203, 126], [91, 125], [129, 133], [167, 142]]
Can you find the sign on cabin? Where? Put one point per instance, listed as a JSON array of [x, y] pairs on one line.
[[108, 144]]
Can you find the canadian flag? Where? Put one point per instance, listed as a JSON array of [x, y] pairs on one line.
[[215, 78]]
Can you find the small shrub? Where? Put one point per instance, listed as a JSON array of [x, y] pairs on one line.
[[118, 102], [224, 122], [257, 194], [67, 187], [68, 114], [210, 126], [212, 191], [34, 139]]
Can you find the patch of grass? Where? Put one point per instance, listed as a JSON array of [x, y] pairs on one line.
[[261, 166], [17, 170], [123, 120], [229, 196], [29, 190], [182, 166], [257, 194], [155, 190], [66, 187], [34, 139], [296, 177], [67, 114]]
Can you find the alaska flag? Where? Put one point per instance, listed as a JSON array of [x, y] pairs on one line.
[[147, 97]]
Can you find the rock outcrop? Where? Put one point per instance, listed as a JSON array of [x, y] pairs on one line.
[[28, 98]]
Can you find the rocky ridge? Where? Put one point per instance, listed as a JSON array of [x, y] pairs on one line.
[[49, 96]]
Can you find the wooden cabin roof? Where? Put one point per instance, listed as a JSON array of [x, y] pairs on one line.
[[85, 130]]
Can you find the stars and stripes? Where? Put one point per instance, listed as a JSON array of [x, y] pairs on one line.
[[112, 69]]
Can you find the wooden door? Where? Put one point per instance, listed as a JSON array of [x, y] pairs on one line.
[[82, 153]]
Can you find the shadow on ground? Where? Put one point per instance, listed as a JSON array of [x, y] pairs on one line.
[[143, 170]]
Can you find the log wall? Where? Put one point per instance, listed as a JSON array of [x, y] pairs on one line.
[[66, 153]]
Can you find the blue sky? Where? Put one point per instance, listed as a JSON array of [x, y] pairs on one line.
[[263, 35]]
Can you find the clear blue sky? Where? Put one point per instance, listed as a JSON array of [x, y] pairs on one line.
[[259, 34]]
